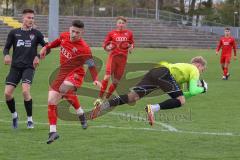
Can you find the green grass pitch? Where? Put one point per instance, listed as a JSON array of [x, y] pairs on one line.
[[207, 127]]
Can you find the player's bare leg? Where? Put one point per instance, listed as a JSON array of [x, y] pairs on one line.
[[28, 103], [67, 89], [8, 92]]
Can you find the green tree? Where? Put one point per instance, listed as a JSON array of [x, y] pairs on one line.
[[226, 10], [192, 8], [182, 6]]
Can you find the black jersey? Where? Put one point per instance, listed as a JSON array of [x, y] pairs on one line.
[[25, 43]]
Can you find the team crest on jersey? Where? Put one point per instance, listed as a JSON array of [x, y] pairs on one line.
[[121, 39], [226, 43], [74, 50], [32, 36]]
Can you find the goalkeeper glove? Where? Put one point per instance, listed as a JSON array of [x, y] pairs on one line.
[[204, 85]]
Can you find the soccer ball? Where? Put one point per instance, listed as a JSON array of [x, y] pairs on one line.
[[202, 83]]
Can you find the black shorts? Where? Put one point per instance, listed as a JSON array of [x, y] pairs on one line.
[[16, 74], [158, 78]]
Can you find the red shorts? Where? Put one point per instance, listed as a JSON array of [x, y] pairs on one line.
[[116, 65], [75, 78], [225, 59]]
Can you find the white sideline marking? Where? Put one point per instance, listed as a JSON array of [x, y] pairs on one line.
[[144, 129], [167, 126]]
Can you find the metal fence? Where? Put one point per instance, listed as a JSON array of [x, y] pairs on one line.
[[235, 31], [99, 11], [166, 16], [102, 11], [201, 25]]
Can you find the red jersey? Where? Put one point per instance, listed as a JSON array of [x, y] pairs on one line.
[[121, 41], [73, 55], [227, 44], [70, 50]]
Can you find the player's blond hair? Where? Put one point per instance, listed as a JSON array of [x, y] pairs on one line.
[[122, 18], [200, 60]]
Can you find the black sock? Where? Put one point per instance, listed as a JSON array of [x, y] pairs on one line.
[[11, 105], [170, 103], [28, 107], [119, 100]]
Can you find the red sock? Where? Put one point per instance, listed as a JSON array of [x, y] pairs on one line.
[[72, 99], [103, 88], [111, 89], [225, 71], [52, 114]]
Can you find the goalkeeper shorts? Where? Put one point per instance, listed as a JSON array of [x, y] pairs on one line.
[[158, 79]]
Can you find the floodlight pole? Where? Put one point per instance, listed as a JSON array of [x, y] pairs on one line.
[[156, 10], [53, 20], [234, 18]]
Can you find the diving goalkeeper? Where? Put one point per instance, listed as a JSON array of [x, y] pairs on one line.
[[167, 77]]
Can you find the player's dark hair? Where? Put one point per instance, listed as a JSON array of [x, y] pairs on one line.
[[227, 29], [122, 18], [27, 11], [78, 24]]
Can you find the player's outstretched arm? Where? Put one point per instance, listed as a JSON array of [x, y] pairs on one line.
[[92, 68], [47, 48], [194, 89]]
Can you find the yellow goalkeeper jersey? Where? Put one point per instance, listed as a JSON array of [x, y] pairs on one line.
[[182, 72], [185, 73]]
